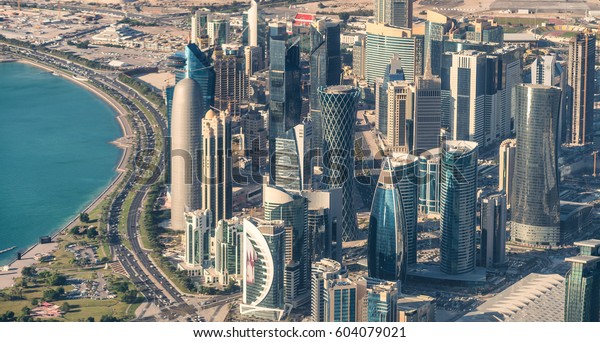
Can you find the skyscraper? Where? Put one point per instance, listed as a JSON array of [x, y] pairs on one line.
[[284, 86], [197, 238], [398, 13], [405, 168], [325, 68], [544, 70], [582, 284], [292, 209], [199, 25], [216, 165], [217, 28], [506, 169], [427, 110], [385, 41], [436, 29], [293, 157], [186, 142], [228, 249], [231, 81], [429, 181], [580, 79], [466, 90], [253, 23], [387, 245], [199, 68], [493, 230], [338, 105], [263, 260], [324, 223], [400, 114], [341, 299], [393, 72], [323, 271], [458, 205], [535, 203]]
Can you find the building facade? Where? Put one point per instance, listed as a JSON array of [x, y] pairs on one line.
[[582, 284], [580, 79], [458, 205], [493, 230], [535, 204], [197, 238]]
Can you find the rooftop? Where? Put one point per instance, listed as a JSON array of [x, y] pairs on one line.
[[583, 259], [594, 243]]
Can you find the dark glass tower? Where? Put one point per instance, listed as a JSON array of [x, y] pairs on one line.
[[580, 78], [199, 68], [387, 245], [535, 203], [582, 284], [458, 204], [338, 105], [325, 67]]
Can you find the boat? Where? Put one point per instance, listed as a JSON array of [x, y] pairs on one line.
[[7, 249]]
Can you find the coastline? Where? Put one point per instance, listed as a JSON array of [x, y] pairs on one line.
[[28, 255]]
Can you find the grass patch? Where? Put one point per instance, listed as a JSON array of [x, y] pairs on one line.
[[124, 218], [520, 21]]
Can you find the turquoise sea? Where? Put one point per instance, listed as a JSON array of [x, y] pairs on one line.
[[55, 153]]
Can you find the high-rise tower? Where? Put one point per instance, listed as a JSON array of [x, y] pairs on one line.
[[458, 205], [253, 23], [582, 284], [186, 142], [338, 105], [398, 13], [535, 204], [216, 165], [387, 245], [580, 79]]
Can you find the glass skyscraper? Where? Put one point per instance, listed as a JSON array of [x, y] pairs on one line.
[[387, 243], [199, 68], [263, 260], [322, 272], [429, 181], [228, 248], [535, 203], [406, 168], [338, 105], [458, 205], [582, 284], [325, 68]]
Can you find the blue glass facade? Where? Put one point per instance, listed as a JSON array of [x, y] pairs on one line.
[[387, 243]]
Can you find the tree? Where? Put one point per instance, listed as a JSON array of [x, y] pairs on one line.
[[65, 307], [25, 311], [92, 233], [75, 230], [28, 271], [109, 318], [35, 302], [129, 297], [320, 5], [84, 217], [57, 279], [90, 319], [344, 16], [8, 316]]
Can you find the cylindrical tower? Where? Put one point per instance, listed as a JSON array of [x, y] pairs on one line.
[[458, 205], [338, 105], [185, 145], [535, 203]]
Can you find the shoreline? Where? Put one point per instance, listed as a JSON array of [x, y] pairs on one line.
[[27, 256]]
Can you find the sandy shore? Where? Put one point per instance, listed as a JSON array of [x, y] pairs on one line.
[[28, 257]]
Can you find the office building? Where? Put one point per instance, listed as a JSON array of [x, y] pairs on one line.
[[292, 209], [416, 309], [255, 141], [545, 70], [436, 29], [466, 109], [458, 205], [427, 110], [485, 31], [535, 202], [359, 57], [263, 269], [325, 68], [293, 158], [340, 297], [231, 81], [324, 223], [186, 139], [582, 284], [393, 72], [580, 79], [253, 24], [228, 249], [217, 28], [253, 60], [506, 168], [284, 85], [383, 42], [429, 181], [387, 240], [323, 271], [377, 300], [339, 105], [199, 25], [405, 168], [493, 230], [216, 178], [199, 68], [197, 238], [400, 114], [398, 13]]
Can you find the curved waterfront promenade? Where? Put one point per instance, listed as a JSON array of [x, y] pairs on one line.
[[27, 258]]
